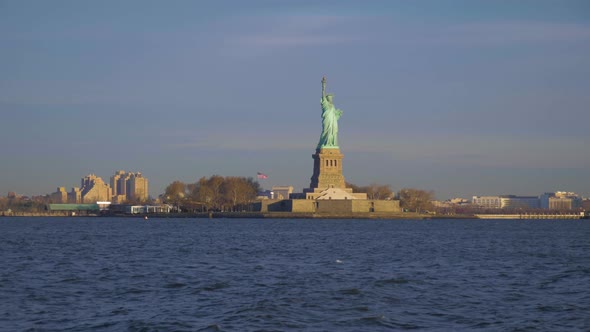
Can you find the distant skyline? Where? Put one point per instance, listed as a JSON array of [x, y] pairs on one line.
[[460, 97]]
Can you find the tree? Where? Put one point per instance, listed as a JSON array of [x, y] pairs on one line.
[[202, 193], [176, 189], [415, 199], [219, 193], [256, 188], [214, 184], [373, 191], [175, 192], [355, 188], [140, 201], [238, 191]]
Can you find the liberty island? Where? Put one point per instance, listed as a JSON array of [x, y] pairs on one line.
[[327, 193]]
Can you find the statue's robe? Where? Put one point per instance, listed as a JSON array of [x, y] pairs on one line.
[[330, 116]]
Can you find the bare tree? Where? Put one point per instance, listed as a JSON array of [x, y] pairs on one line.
[[176, 189], [415, 199], [203, 193], [219, 193], [238, 191], [376, 191], [355, 188], [373, 191]]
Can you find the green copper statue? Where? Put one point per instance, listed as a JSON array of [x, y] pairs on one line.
[[330, 116]]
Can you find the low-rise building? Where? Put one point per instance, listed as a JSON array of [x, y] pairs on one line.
[[281, 192], [506, 202], [139, 209], [560, 200], [519, 202], [74, 209], [488, 202]]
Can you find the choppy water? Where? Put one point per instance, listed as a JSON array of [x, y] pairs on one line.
[[109, 274]]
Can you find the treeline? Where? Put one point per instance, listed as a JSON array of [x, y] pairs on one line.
[[373, 191], [411, 199], [231, 193], [216, 193], [20, 204]]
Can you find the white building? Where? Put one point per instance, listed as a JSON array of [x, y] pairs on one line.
[[519, 202], [281, 192], [506, 202], [560, 200], [488, 202]]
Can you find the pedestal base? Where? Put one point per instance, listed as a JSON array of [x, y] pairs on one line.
[[327, 169]]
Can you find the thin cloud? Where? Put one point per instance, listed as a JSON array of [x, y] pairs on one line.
[[296, 31], [232, 145], [269, 34], [504, 151], [290, 41], [510, 32], [492, 33], [239, 140]]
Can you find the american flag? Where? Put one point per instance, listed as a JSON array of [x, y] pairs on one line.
[[261, 175]]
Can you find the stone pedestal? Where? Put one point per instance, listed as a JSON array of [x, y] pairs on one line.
[[327, 181], [327, 169]]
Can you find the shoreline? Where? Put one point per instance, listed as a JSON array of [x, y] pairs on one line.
[[243, 215], [293, 215], [248, 215]]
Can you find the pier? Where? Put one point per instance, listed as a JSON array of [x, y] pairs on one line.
[[530, 216]]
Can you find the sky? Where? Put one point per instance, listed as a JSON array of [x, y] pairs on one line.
[[462, 98]]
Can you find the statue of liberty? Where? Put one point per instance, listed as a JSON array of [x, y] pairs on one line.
[[330, 116]]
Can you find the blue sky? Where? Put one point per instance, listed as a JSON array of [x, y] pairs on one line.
[[459, 97]]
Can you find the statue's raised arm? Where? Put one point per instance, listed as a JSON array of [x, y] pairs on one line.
[[323, 87]]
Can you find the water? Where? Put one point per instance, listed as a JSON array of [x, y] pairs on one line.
[[110, 274]]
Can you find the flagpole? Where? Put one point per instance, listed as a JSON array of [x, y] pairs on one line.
[[261, 176]]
